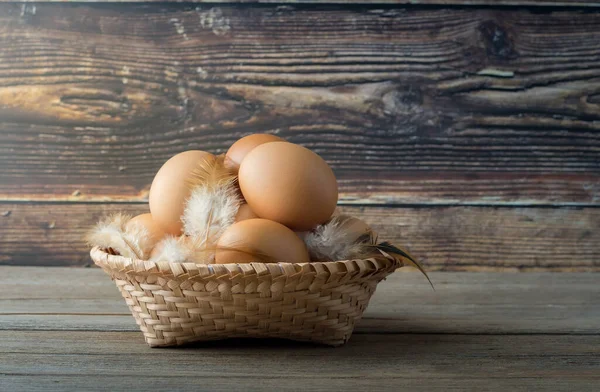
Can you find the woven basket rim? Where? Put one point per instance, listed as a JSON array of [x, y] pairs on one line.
[[126, 265]]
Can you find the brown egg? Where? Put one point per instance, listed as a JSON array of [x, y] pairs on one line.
[[242, 147], [288, 184], [170, 189], [145, 220], [244, 212], [260, 240]]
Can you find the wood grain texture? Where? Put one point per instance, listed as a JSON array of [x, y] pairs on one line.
[[288, 3], [450, 238], [106, 361], [41, 299], [408, 104], [486, 331], [41, 382]]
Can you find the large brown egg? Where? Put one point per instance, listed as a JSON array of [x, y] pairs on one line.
[[242, 147], [171, 188], [260, 240], [288, 184], [146, 221]]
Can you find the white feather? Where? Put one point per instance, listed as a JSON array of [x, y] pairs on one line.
[[110, 233], [173, 249], [138, 235], [335, 241], [209, 211]]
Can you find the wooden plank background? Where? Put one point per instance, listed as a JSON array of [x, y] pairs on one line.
[[469, 134]]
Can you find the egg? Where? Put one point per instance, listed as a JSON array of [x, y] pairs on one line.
[[155, 231], [171, 188], [260, 240], [239, 149], [289, 184], [245, 212]]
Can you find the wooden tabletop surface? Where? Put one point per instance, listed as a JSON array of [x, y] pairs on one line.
[[68, 329]]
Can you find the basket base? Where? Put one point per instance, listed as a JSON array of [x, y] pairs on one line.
[[177, 319]]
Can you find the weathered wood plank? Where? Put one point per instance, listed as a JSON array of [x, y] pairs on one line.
[[401, 188], [92, 382], [106, 361], [449, 238], [290, 3], [463, 303], [409, 105]]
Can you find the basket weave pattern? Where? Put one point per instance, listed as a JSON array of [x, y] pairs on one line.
[[179, 303]]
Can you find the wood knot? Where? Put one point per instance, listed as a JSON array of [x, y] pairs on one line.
[[283, 10], [594, 99], [497, 40], [408, 100], [408, 110]]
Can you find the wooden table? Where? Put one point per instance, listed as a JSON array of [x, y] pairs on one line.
[[68, 329]]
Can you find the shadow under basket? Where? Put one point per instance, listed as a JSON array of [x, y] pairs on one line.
[[179, 303]]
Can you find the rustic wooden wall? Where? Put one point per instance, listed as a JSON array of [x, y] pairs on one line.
[[470, 134]]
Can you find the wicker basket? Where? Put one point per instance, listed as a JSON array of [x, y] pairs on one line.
[[179, 303]]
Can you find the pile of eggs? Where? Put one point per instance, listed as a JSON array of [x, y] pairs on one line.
[[285, 190]]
